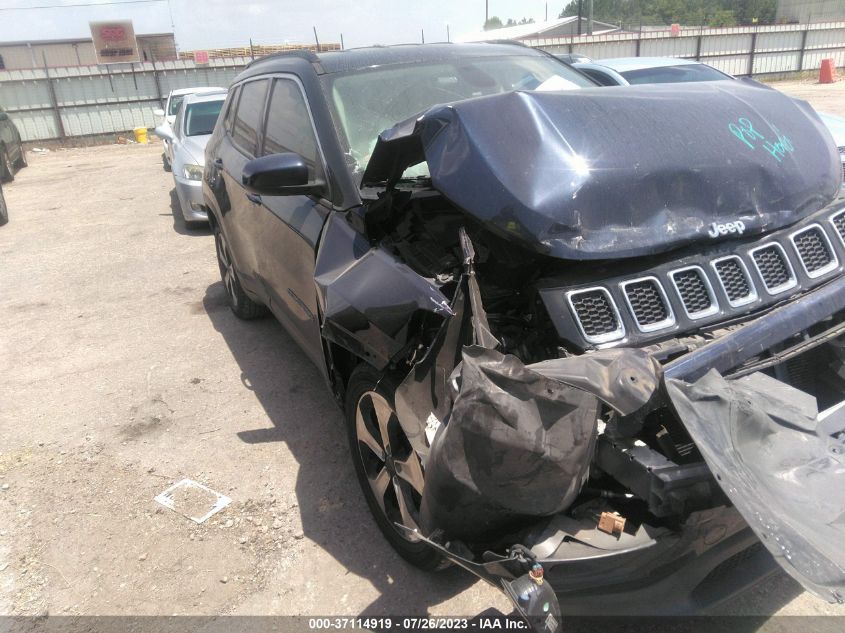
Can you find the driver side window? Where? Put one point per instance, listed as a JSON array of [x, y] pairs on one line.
[[288, 127]]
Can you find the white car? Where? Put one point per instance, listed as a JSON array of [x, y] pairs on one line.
[[628, 71], [171, 108], [187, 138]]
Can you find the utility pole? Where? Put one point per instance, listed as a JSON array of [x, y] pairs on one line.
[[580, 14], [590, 19], [486, 11], [422, 35], [448, 36]]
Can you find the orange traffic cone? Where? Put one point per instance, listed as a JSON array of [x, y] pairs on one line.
[[827, 72]]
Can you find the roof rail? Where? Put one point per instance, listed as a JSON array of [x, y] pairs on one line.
[[307, 55]]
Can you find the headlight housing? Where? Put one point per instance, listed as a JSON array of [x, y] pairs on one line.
[[193, 172]]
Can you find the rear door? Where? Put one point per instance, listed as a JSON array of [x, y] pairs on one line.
[[291, 225], [238, 146]]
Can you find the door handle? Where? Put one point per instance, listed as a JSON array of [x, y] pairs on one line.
[[254, 197], [218, 162]]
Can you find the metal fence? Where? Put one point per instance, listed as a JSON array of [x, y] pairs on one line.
[[87, 101], [79, 102], [758, 50]]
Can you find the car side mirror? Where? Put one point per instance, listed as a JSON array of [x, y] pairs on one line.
[[280, 175], [4, 116], [158, 112], [164, 132]]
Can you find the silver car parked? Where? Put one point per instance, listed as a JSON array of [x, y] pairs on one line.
[[187, 139]]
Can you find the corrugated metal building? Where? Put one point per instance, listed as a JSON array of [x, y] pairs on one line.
[[559, 27], [77, 52]]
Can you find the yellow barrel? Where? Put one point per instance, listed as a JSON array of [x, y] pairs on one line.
[[140, 135]]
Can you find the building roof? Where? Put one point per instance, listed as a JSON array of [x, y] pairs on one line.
[[532, 30]]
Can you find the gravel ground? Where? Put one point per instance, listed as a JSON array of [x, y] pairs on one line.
[[123, 371]]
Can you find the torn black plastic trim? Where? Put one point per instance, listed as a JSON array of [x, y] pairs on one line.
[[781, 462]]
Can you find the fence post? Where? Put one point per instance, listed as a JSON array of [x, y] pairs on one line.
[[803, 48], [751, 54], [54, 102], [157, 83]]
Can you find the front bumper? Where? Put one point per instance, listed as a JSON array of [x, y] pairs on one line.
[[191, 202]]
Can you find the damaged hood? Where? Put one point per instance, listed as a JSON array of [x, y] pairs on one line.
[[599, 173]]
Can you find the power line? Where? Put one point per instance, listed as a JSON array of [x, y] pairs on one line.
[[81, 4]]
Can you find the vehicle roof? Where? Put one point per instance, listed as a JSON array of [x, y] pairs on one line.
[[624, 64], [357, 58], [196, 90], [218, 95]]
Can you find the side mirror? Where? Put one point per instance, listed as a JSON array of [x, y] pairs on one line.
[[158, 112], [4, 116], [280, 175], [164, 132]]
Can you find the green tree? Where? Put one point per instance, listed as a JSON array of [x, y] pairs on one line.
[[493, 23]]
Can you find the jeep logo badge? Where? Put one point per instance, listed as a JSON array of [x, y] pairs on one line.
[[717, 229]]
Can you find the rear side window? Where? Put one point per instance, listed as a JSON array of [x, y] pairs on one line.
[[289, 126], [230, 112], [175, 102], [248, 115]]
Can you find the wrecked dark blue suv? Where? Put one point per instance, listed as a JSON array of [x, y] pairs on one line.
[[580, 334]]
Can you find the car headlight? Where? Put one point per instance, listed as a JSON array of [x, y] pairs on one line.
[[193, 172]]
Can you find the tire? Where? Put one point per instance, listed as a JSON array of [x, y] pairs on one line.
[[4, 210], [243, 307], [165, 162], [369, 401], [6, 173]]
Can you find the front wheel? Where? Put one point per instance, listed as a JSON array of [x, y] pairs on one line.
[[22, 162], [4, 210], [388, 469], [6, 172], [243, 307]]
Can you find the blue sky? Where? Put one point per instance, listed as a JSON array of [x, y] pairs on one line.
[[224, 23]]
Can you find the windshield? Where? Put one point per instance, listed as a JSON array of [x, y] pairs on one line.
[[175, 102], [368, 101], [674, 74], [201, 117]]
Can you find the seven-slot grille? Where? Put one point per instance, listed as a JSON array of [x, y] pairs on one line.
[[814, 251], [648, 303], [596, 313], [838, 222], [842, 156], [774, 268], [734, 279], [600, 320], [695, 292]]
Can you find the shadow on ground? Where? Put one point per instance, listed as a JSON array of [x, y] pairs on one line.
[[304, 416], [179, 222]]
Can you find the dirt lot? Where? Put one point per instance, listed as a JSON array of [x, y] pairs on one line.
[[122, 371]]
